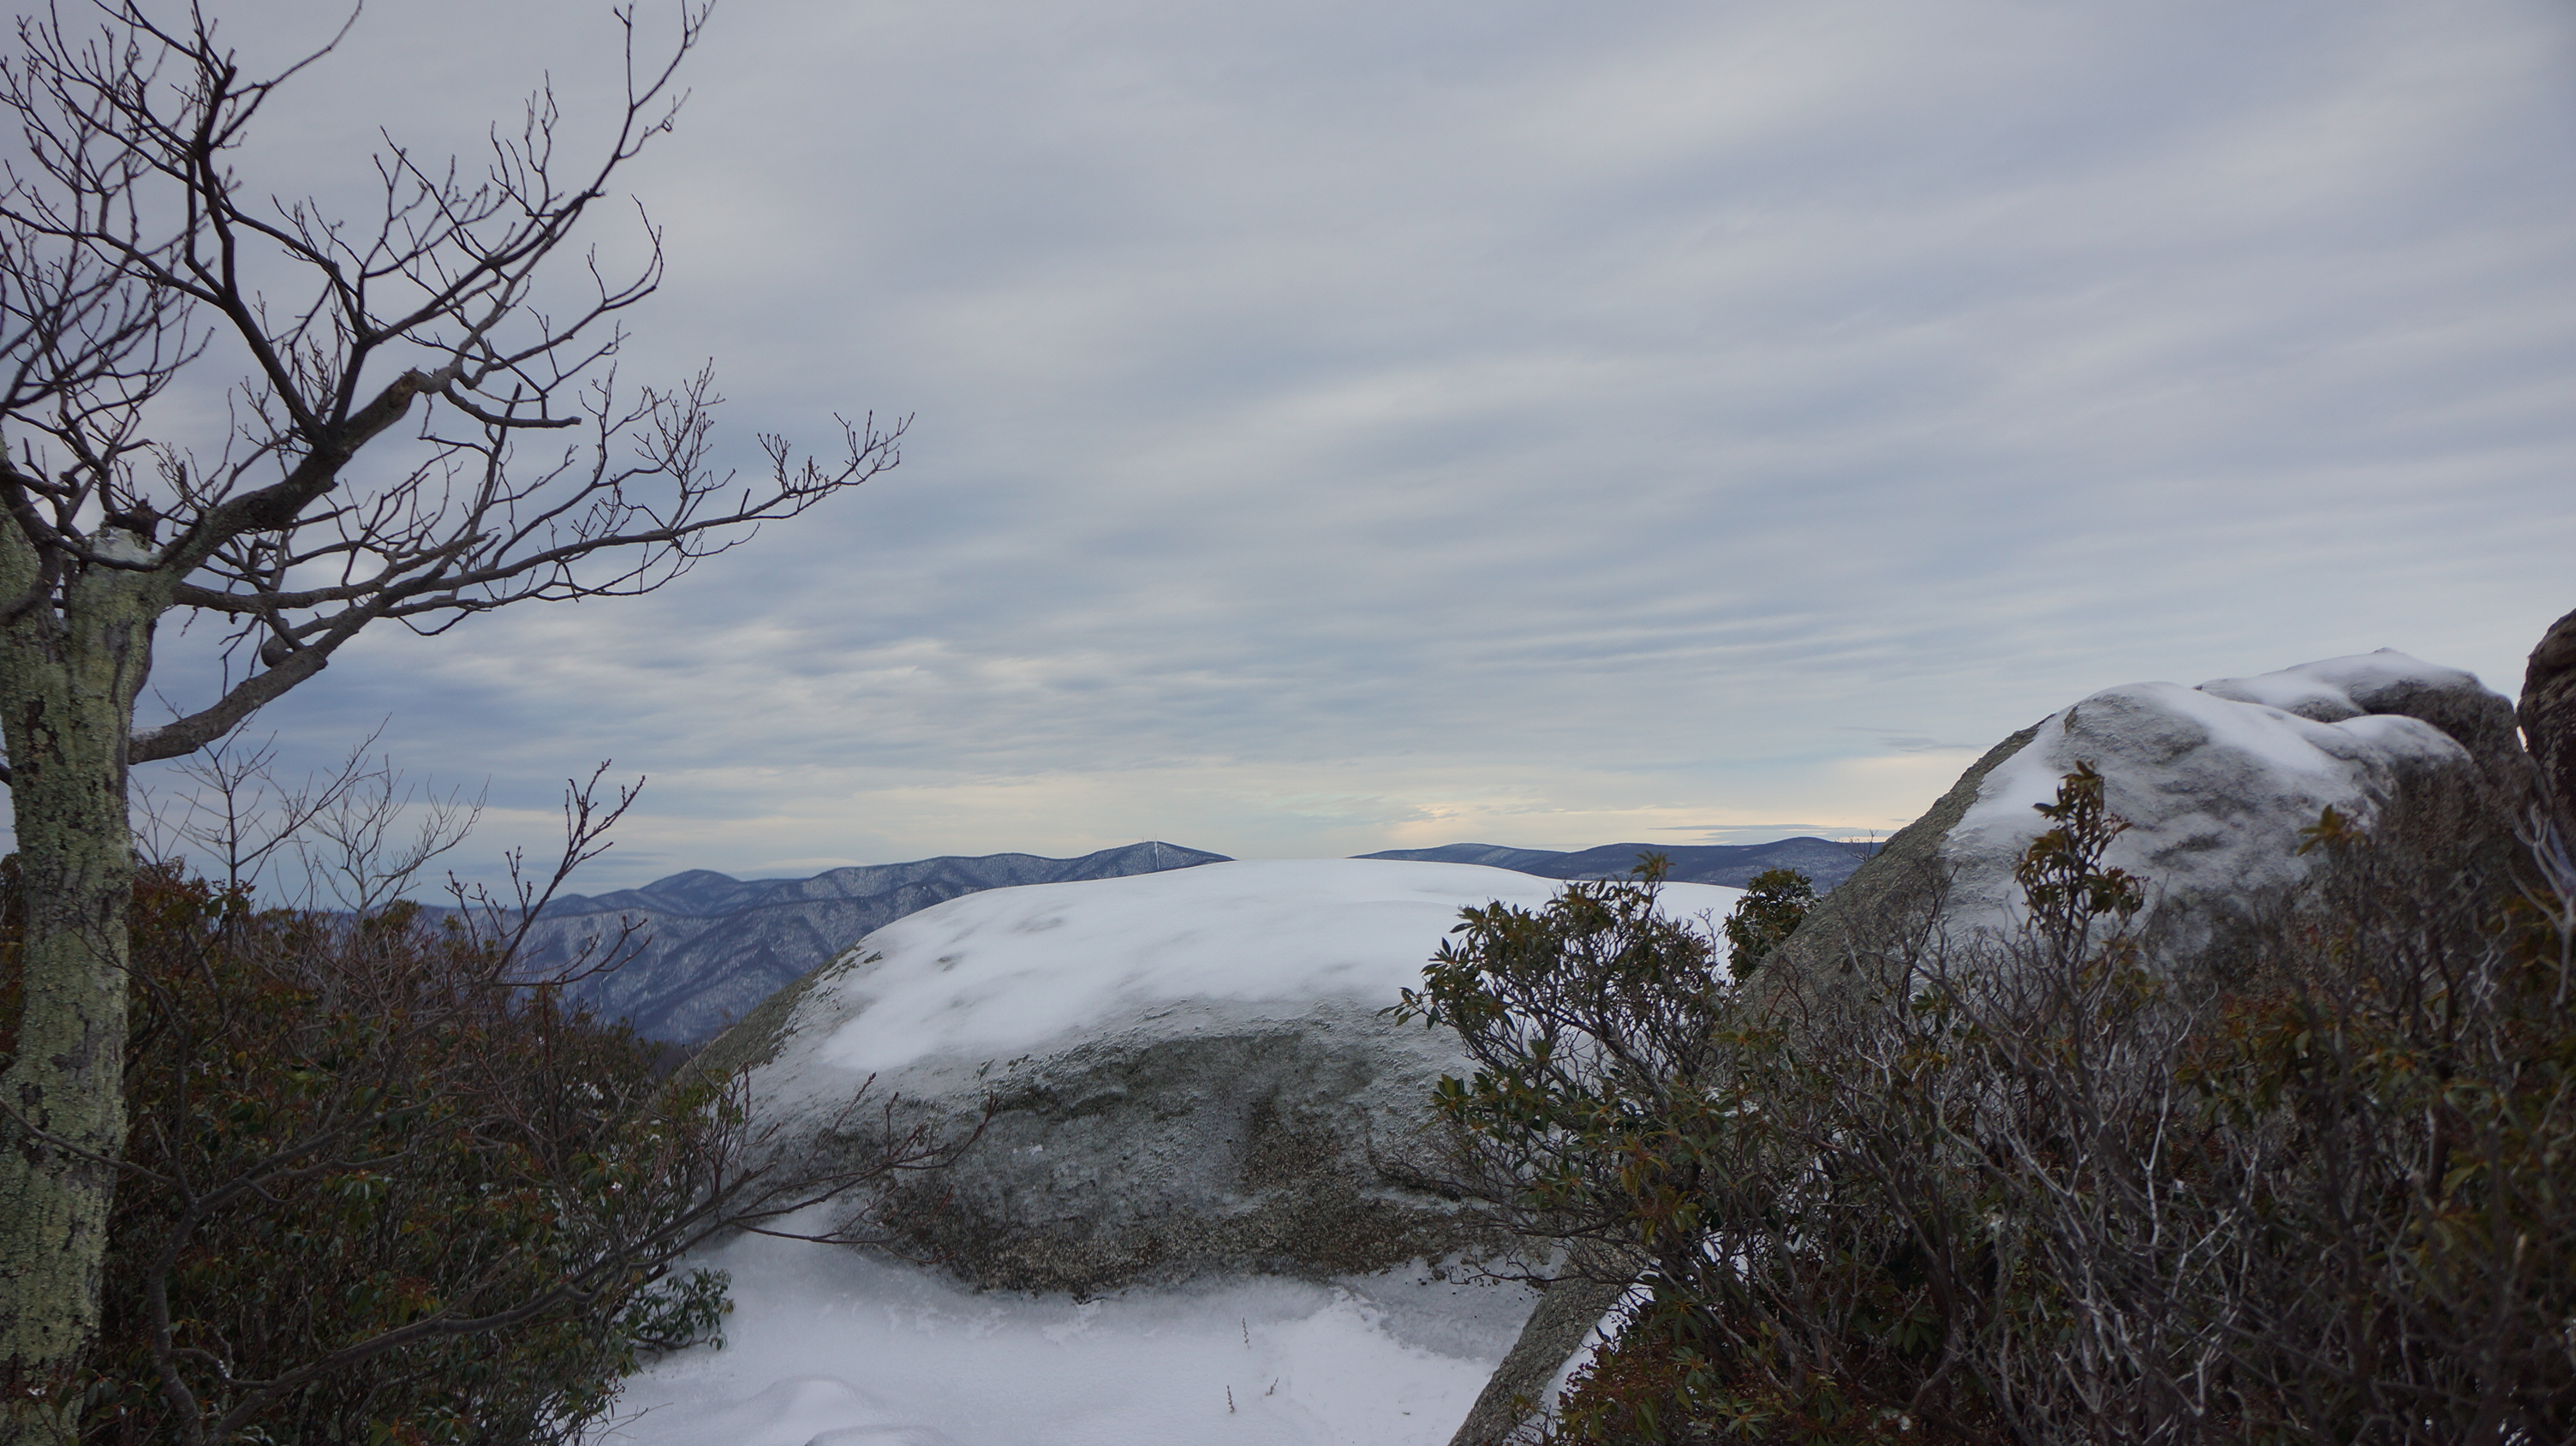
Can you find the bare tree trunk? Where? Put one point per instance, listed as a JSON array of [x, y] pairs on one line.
[[68, 680]]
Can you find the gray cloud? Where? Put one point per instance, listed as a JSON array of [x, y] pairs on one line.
[[1345, 427]]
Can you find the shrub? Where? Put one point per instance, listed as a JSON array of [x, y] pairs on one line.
[[2036, 1190], [372, 1193], [1775, 902], [381, 1188]]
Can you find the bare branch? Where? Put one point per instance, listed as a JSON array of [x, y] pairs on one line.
[[129, 245]]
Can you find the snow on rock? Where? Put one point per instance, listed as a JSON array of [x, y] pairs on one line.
[[2341, 688], [828, 1348], [1012, 970], [2216, 782], [1190, 1071]]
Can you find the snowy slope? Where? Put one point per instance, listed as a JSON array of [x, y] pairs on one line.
[[830, 1349], [1000, 973]]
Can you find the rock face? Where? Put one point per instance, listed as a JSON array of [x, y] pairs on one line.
[[1571, 1317], [2548, 713], [2216, 783], [1189, 1072]]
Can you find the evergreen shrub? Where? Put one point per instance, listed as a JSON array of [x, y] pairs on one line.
[[2039, 1188], [377, 1194]]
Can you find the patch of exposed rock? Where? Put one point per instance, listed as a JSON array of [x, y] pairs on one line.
[[2548, 714]]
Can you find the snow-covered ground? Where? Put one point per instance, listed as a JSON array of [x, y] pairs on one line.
[[827, 1348]]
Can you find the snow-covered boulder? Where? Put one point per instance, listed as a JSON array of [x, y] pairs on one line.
[[2215, 783], [1190, 1072]]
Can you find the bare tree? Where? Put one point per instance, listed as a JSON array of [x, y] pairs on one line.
[[132, 253], [336, 832]]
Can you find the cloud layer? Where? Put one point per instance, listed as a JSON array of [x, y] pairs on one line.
[[1342, 426]]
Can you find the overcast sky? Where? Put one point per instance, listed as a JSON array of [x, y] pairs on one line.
[[1345, 426]]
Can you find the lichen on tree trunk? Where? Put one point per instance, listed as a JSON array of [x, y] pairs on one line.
[[68, 680]]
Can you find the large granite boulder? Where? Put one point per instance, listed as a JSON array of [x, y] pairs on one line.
[[2215, 783], [1189, 1073]]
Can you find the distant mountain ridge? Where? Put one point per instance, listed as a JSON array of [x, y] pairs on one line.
[[716, 945], [1824, 862], [706, 892]]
